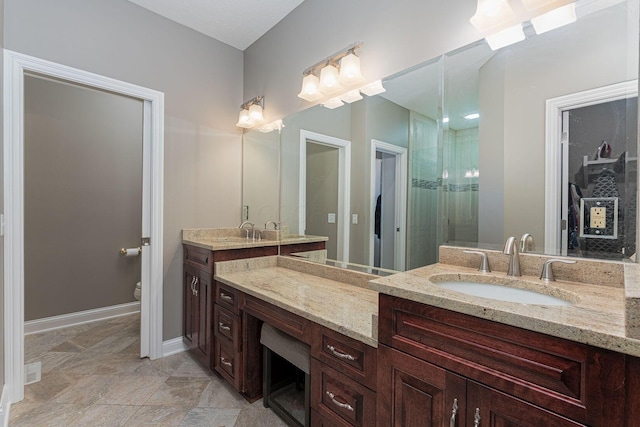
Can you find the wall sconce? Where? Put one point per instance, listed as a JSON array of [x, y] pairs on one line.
[[501, 26], [251, 113], [340, 74], [270, 127]]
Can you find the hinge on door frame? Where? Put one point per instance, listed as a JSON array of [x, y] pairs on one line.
[[145, 241]]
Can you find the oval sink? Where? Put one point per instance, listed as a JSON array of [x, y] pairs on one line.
[[512, 290]]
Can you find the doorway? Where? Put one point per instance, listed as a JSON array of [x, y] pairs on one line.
[[17, 67], [387, 246], [329, 166], [574, 161]]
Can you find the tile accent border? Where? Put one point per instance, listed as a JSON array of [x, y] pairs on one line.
[[80, 317]]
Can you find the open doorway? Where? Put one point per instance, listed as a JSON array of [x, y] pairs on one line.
[[591, 164], [388, 204], [17, 67], [325, 170]]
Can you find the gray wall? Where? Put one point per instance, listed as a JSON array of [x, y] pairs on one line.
[[82, 197], [396, 35], [202, 82]]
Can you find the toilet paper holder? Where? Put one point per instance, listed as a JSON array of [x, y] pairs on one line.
[[131, 251]]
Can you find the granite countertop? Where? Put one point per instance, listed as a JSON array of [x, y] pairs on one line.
[[595, 317], [219, 239], [333, 297]]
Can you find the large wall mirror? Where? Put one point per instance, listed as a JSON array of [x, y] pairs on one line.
[[474, 146]]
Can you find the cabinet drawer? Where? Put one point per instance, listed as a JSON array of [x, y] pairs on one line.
[[227, 363], [346, 355], [227, 297], [337, 397], [284, 320], [198, 257], [226, 326], [317, 420], [564, 376]]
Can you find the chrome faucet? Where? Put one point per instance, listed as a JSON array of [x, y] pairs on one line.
[[275, 225], [511, 248], [547, 270], [253, 232], [527, 244]]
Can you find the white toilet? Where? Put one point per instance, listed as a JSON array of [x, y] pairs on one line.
[[137, 291]]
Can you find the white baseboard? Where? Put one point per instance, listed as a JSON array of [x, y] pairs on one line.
[[4, 407], [173, 346], [73, 319]]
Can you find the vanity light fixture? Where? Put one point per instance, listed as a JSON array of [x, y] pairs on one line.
[[310, 88], [445, 120], [350, 72], [333, 103], [472, 116], [329, 79], [373, 88], [501, 26], [251, 113], [270, 127], [352, 96], [549, 15]]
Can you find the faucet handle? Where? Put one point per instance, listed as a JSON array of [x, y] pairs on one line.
[[484, 261], [547, 269]]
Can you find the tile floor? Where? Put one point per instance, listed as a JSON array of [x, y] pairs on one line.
[[92, 376]]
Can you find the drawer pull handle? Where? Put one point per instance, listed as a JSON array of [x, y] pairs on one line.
[[339, 404], [476, 418], [454, 412], [195, 283], [340, 354], [225, 297], [223, 327], [224, 362]]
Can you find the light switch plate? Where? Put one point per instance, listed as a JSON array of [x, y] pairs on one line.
[[354, 218], [245, 212], [331, 218]]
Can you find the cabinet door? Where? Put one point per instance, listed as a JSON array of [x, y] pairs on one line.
[[205, 315], [491, 408], [190, 309], [417, 393]]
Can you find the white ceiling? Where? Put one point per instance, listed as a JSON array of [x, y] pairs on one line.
[[238, 23]]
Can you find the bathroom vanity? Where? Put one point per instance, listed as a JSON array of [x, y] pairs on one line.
[[436, 356]]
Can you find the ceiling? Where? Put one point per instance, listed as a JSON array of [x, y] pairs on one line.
[[238, 23]]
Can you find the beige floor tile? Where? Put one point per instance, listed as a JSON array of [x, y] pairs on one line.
[[87, 389], [44, 414], [180, 391], [50, 386], [105, 416], [100, 364], [131, 390], [113, 344], [48, 360], [158, 415], [192, 368], [211, 417], [219, 394]]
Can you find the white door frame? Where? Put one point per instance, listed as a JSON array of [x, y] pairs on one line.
[[344, 186], [400, 154], [555, 197], [15, 66]]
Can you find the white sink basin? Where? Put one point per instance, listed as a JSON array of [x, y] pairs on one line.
[[513, 290]]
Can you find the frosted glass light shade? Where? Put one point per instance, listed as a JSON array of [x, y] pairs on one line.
[[333, 103], [244, 120], [255, 114], [505, 37], [350, 72], [555, 19], [329, 79], [352, 96], [493, 16], [310, 91], [373, 88]]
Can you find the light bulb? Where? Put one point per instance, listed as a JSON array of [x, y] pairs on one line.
[[310, 91], [492, 16], [350, 70], [329, 79], [255, 114]]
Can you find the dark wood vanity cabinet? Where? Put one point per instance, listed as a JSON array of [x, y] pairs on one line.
[[429, 358]]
